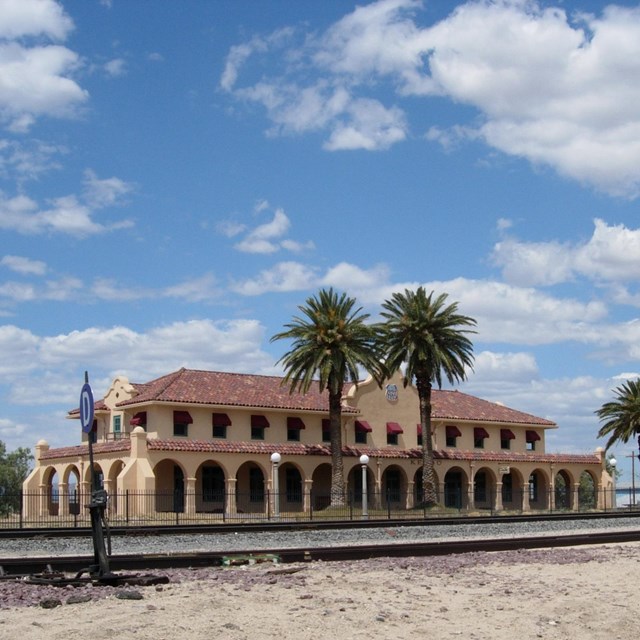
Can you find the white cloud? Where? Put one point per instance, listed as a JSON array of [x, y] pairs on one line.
[[285, 276], [23, 265], [66, 214], [553, 89], [611, 255], [38, 368], [266, 238], [34, 82], [116, 67], [22, 18], [28, 160]]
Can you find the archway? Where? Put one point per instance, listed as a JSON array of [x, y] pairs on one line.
[[512, 490], [394, 487], [71, 484], [170, 487], [291, 487], [587, 492], [210, 488], [538, 490], [354, 487], [455, 489], [484, 489], [250, 488], [563, 493], [51, 488], [321, 491]]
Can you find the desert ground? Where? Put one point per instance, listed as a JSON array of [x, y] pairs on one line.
[[586, 593]]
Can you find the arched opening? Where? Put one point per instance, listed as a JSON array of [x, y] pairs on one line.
[[290, 487], [587, 492], [169, 486], [321, 492], [354, 486], [484, 489], [114, 472], [51, 491], [512, 491], [250, 488], [210, 488], [71, 483], [393, 487], [562, 490], [455, 492], [538, 490]]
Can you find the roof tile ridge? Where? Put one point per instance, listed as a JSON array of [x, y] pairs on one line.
[[171, 378]]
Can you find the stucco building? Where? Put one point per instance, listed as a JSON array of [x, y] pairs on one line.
[[200, 441]]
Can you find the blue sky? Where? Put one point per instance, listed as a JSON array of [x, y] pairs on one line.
[[175, 178]]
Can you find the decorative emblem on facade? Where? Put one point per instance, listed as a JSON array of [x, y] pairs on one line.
[[391, 391]]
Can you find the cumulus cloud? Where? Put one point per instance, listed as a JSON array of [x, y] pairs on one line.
[[66, 214], [611, 255], [552, 88], [284, 276], [23, 265], [38, 363], [36, 80], [266, 238]]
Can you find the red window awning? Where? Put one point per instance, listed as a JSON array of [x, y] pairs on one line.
[[480, 433], [138, 419], [363, 427], [294, 423], [453, 431], [532, 436], [393, 428], [506, 434], [220, 420], [182, 417], [259, 421]]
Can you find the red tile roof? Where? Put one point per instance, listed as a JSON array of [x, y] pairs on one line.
[[191, 386], [83, 449], [455, 405], [229, 389]]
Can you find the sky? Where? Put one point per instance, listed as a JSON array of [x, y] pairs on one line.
[[177, 177]]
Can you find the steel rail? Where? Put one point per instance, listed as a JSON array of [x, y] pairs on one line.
[[13, 567], [310, 525]]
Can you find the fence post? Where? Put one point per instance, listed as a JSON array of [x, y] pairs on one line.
[[388, 505], [310, 505], [21, 506]]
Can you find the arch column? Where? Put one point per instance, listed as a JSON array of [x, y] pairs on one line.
[[552, 490], [525, 496], [190, 496], [471, 494], [575, 497], [307, 486], [43, 500], [230, 503], [63, 499], [411, 498], [498, 502]]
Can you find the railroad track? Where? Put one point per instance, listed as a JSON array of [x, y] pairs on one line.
[[11, 568]]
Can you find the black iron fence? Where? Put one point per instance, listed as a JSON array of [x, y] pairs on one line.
[[163, 508]]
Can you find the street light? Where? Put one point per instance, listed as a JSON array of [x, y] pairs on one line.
[[275, 461], [364, 461], [613, 462]]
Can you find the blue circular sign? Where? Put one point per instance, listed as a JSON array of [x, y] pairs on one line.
[[86, 408]]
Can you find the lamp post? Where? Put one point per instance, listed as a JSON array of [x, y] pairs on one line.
[[275, 461], [364, 461], [613, 462]]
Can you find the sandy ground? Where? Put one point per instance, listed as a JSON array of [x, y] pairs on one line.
[[586, 593]]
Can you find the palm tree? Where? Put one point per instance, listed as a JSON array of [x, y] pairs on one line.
[[622, 415], [429, 337], [331, 342]]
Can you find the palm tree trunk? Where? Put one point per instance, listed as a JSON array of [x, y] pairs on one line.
[[429, 493], [337, 467]]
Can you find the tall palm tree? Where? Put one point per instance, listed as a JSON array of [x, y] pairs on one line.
[[331, 342], [622, 415], [429, 337]]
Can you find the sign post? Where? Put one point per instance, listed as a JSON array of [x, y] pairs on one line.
[[98, 502]]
